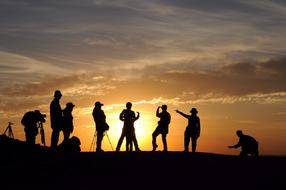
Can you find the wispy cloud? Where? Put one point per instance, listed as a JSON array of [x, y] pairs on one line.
[[103, 34]]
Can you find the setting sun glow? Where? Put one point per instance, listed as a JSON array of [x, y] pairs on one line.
[[226, 59]]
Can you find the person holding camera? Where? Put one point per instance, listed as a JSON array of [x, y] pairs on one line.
[[162, 128], [30, 121], [100, 123], [68, 120]]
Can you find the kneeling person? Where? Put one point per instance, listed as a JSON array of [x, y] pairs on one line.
[[249, 146]]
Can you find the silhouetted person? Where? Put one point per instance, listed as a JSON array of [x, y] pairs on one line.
[[56, 118], [68, 120], [131, 137], [192, 130], [162, 128], [30, 121], [100, 123], [249, 146], [128, 130]]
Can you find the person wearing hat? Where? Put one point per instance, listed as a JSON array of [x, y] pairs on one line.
[[248, 144], [162, 128], [192, 130], [56, 118], [100, 124], [68, 120]]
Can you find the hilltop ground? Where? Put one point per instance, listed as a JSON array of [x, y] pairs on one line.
[[34, 169]]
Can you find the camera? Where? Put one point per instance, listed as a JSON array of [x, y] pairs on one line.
[[40, 117]]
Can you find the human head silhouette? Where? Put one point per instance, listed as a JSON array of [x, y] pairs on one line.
[[70, 106], [40, 117], [128, 105], [58, 94], [194, 111], [239, 133], [98, 104], [164, 107]]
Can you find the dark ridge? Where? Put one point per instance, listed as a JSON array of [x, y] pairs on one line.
[[36, 167]]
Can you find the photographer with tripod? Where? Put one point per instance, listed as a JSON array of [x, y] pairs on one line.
[[31, 120], [100, 123]]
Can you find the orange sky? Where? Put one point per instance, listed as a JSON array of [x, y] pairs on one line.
[[227, 61], [219, 123]]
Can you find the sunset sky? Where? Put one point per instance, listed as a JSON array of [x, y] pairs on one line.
[[227, 58]]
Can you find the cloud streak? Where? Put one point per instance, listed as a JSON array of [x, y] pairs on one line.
[[103, 34]]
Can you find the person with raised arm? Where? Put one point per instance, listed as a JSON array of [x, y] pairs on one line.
[[128, 117], [192, 130], [162, 128]]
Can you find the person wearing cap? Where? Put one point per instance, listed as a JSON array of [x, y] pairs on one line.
[[56, 118], [128, 117], [68, 120], [100, 124], [30, 121], [162, 128], [248, 144], [192, 130]]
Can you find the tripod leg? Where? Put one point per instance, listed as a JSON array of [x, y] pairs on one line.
[[92, 146], [109, 141]]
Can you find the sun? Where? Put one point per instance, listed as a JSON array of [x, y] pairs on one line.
[[143, 130], [140, 129]]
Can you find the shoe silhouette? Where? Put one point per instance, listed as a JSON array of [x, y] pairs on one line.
[[155, 147]]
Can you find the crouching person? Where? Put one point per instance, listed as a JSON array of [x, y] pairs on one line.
[[30, 121], [249, 146]]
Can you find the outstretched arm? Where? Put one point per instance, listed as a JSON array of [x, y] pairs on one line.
[[183, 114], [235, 146]]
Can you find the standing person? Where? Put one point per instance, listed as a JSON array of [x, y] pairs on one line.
[[192, 130], [162, 128], [56, 118], [68, 121], [247, 143], [100, 123], [30, 121], [128, 130]]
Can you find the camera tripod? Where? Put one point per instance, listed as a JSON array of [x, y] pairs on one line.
[[42, 132], [92, 146], [9, 130]]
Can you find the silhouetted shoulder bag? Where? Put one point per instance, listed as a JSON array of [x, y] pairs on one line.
[[106, 127]]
